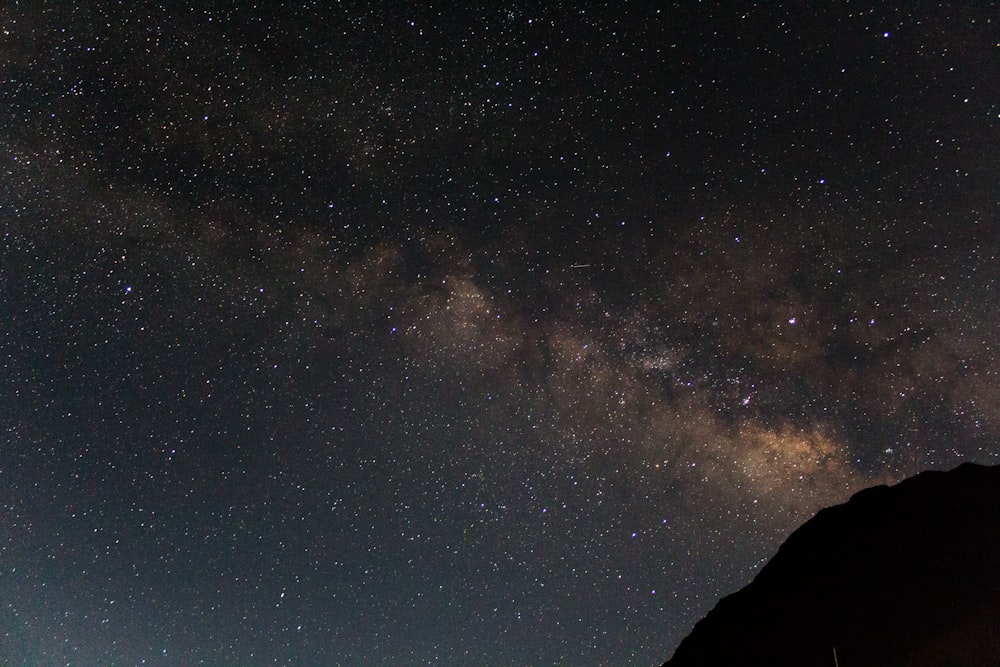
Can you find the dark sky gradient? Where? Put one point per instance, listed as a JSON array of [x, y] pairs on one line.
[[516, 336]]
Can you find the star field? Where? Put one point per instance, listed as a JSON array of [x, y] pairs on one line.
[[480, 336]]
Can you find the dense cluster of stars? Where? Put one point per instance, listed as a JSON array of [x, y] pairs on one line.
[[471, 336]]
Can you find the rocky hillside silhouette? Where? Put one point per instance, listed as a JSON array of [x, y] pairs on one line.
[[901, 575]]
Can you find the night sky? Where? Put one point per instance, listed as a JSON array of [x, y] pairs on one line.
[[332, 335]]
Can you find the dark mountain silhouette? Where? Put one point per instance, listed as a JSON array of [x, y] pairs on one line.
[[902, 575]]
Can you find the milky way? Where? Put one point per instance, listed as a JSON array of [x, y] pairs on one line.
[[500, 337]]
